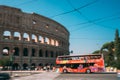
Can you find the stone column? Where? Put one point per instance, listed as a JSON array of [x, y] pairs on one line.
[[37, 36], [30, 37], [29, 56], [49, 41], [37, 52], [1, 51], [43, 52], [12, 35], [21, 36], [1, 34], [21, 56], [44, 40], [54, 42]]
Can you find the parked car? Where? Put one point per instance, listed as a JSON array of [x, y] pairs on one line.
[[4, 76]]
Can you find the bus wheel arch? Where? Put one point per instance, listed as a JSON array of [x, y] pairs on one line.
[[65, 71], [88, 71]]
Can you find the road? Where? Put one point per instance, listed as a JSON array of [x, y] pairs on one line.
[[40, 76], [70, 76], [86, 77]]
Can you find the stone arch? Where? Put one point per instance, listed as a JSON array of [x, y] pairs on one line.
[[40, 53], [56, 43], [15, 66], [52, 42], [34, 38], [25, 52], [40, 64], [33, 65], [41, 39], [6, 35], [17, 36], [51, 54], [46, 64], [33, 52], [26, 37], [46, 53], [25, 66], [47, 40], [51, 64], [16, 53], [6, 51], [56, 54]]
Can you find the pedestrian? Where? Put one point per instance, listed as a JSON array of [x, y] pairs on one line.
[[48, 67], [44, 68]]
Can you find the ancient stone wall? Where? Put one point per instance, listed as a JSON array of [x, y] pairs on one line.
[[32, 39]]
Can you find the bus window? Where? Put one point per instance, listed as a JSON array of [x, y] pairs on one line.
[[80, 66], [69, 58], [99, 57], [81, 58], [74, 66], [88, 57], [59, 59]]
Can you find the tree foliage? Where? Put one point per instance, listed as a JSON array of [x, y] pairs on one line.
[[117, 48], [117, 43], [96, 52], [109, 56], [4, 62], [112, 51]]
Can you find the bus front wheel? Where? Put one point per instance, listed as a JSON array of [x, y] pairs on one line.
[[88, 71], [65, 71]]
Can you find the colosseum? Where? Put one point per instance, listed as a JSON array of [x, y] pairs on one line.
[[28, 40]]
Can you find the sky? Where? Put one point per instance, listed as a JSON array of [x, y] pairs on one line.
[[91, 23]]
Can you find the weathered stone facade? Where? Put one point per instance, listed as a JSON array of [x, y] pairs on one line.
[[34, 40]]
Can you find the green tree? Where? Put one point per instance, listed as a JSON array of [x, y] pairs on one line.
[[109, 56], [96, 52], [4, 62], [111, 50], [117, 48], [105, 55]]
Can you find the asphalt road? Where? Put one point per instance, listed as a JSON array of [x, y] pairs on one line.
[[68, 76], [38, 76], [71, 76]]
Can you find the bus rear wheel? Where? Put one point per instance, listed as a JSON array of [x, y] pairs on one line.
[[88, 71], [65, 71]]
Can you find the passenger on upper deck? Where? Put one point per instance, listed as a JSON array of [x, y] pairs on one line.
[[80, 66]]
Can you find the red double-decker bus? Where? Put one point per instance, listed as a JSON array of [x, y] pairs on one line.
[[81, 63]]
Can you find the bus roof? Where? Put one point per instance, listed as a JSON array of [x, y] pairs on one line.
[[80, 55]]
